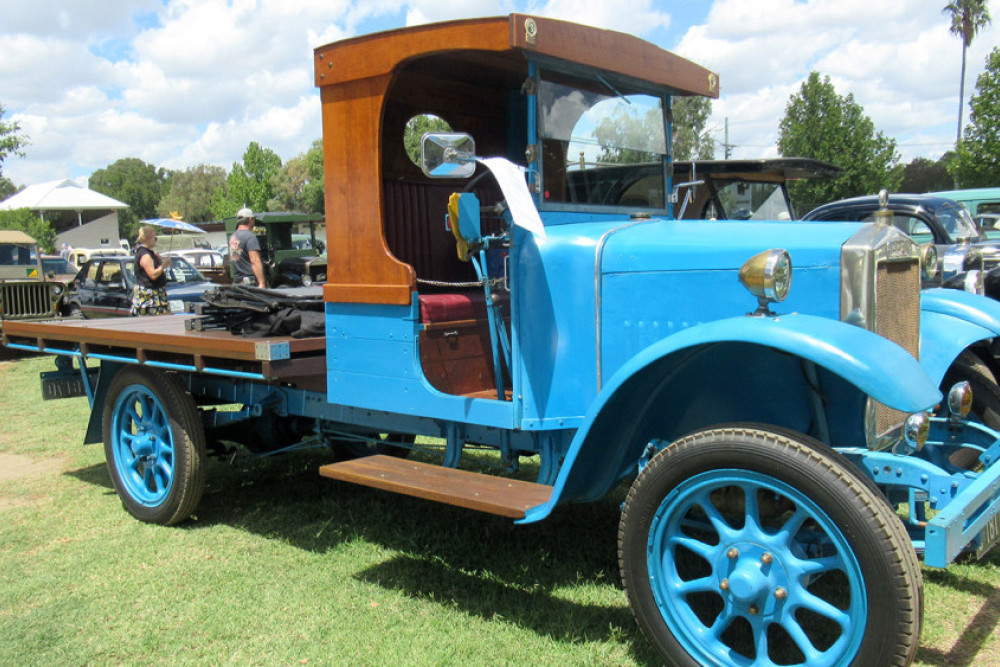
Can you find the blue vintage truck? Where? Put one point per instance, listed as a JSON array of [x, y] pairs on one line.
[[790, 413]]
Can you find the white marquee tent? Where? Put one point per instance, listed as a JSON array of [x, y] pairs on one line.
[[95, 223], [64, 195]]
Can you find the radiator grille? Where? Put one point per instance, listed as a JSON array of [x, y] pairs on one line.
[[23, 300], [897, 304], [897, 317]]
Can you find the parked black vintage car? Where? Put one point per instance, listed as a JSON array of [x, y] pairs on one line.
[[967, 259], [103, 287]]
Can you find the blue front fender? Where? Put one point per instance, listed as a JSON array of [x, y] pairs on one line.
[[876, 366], [950, 321]]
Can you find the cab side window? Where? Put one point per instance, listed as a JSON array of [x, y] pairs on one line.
[[91, 278], [110, 274]]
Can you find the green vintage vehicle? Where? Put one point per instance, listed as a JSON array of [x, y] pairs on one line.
[[25, 293]]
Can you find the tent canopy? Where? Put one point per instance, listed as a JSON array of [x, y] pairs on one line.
[[64, 195]]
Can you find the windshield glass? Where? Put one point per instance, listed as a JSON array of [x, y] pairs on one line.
[[57, 265], [749, 201], [183, 272], [959, 224], [602, 144], [13, 254]]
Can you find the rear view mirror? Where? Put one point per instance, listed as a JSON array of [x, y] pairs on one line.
[[448, 155]]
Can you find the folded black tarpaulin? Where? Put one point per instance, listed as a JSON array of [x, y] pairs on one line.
[[254, 312]]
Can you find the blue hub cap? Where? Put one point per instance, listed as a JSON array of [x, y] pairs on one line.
[[747, 570], [143, 446]]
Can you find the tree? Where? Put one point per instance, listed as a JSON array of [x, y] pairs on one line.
[[7, 188], [691, 141], [968, 17], [925, 175], [250, 183], [24, 220], [416, 127], [977, 160], [190, 192], [298, 185], [134, 182], [821, 124], [12, 142]]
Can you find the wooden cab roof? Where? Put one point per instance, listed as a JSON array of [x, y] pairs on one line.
[[370, 84]]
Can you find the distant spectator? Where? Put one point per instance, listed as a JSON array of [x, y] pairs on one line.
[[149, 296], [244, 252]]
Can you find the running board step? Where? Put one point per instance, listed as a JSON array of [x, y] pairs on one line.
[[475, 491]]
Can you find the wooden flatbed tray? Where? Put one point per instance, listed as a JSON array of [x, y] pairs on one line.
[[165, 339]]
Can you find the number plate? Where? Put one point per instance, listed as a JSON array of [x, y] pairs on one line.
[[989, 537], [65, 384]]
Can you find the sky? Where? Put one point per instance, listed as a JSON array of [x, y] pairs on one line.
[[179, 83]]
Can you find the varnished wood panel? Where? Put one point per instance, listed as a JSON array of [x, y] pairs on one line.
[[484, 493], [357, 75]]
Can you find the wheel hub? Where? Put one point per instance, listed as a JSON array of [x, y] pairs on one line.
[[752, 578]]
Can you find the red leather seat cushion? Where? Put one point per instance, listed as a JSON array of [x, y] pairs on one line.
[[451, 307]]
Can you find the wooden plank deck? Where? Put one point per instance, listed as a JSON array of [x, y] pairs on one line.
[[484, 493], [164, 338]]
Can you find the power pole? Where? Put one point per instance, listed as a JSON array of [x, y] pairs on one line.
[[726, 145]]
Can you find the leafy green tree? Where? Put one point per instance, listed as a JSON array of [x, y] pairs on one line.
[[299, 183], [134, 182], [818, 123], [12, 141], [691, 141], [250, 183], [416, 127], [7, 188], [925, 175], [190, 192], [968, 17], [24, 220], [977, 160]]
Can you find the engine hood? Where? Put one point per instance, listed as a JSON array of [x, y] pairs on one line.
[[665, 245]]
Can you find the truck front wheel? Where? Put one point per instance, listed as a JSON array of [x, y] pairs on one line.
[[739, 545], [154, 443]]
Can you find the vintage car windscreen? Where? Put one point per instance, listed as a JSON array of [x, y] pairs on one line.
[[602, 144], [748, 201]]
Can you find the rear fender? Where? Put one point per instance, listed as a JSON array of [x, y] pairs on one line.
[[737, 369]]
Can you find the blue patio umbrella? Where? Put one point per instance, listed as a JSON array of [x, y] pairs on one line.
[[174, 224]]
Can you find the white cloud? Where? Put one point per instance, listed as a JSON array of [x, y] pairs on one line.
[[183, 82], [897, 59]]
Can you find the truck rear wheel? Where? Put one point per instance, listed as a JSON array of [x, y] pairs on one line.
[[739, 545], [154, 443]]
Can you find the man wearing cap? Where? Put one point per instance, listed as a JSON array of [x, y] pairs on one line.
[[244, 252]]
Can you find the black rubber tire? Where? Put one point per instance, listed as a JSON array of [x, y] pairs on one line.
[[187, 436], [379, 443], [74, 312], [985, 399], [889, 569]]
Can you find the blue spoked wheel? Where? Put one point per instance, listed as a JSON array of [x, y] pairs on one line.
[[742, 546], [154, 444]]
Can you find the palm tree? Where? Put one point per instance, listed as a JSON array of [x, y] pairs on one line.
[[968, 17]]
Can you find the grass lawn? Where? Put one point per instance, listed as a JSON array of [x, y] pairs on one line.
[[281, 566]]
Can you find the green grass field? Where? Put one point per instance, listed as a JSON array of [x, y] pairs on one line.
[[283, 567]]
